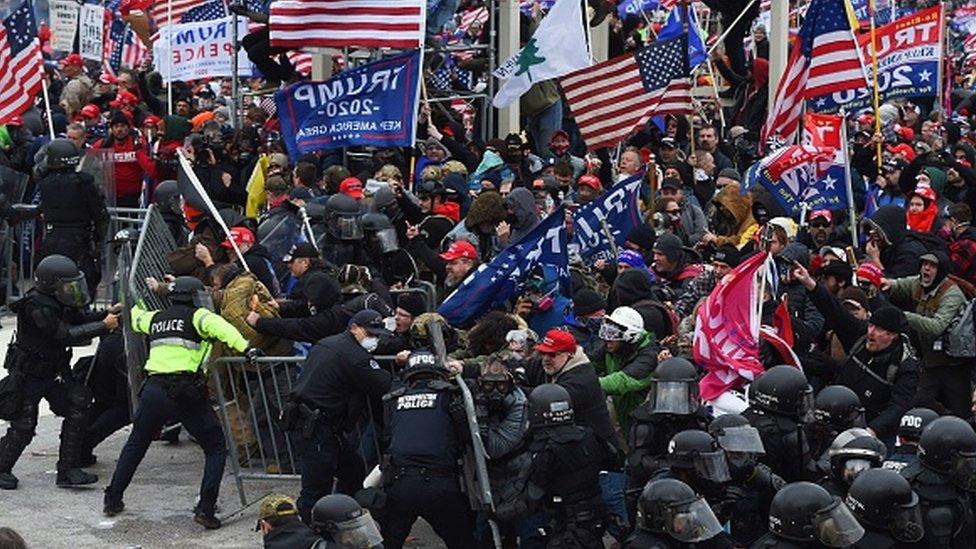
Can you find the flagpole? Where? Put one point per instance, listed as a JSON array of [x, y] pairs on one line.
[[235, 84], [688, 117], [876, 95], [851, 214], [725, 32], [47, 106], [940, 91], [169, 61]]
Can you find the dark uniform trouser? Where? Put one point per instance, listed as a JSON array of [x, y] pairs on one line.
[[75, 243], [155, 409], [68, 399], [946, 390], [438, 499], [326, 460]]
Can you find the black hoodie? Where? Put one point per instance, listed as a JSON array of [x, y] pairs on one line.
[[633, 288], [900, 256]]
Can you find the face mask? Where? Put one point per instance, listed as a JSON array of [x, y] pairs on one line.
[[370, 343], [559, 149]]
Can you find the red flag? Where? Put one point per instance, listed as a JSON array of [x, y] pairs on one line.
[[822, 130], [782, 322]]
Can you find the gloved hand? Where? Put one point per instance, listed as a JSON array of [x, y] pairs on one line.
[[252, 355]]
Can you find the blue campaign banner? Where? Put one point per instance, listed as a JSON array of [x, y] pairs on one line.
[[800, 174], [633, 8], [618, 206], [373, 104], [697, 52]]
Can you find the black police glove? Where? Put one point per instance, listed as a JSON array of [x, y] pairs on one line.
[[252, 355]]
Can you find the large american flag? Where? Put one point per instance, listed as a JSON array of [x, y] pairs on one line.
[[611, 99], [827, 60], [205, 12], [21, 65], [340, 23], [123, 48], [160, 10]]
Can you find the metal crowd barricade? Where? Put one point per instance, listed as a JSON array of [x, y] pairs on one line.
[[424, 289]]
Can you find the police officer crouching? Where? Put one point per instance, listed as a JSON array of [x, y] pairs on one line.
[[50, 320], [344, 524], [884, 503], [670, 514], [176, 389], [421, 471]]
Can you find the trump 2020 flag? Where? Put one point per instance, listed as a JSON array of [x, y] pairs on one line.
[[499, 280], [791, 175], [372, 104], [557, 47], [618, 206]]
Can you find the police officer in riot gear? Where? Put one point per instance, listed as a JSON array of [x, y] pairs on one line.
[[779, 405], [74, 212], [945, 479], [179, 340], [50, 320], [434, 227], [909, 431], [424, 443], [564, 478], [835, 409], [671, 515], [672, 406], [884, 503], [344, 524], [804, 515], [394, 265], [852, 452], [169, 202], [343, 240], [696, 459]]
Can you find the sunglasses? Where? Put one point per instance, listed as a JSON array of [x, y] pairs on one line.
[[673, 212], [819, 224]]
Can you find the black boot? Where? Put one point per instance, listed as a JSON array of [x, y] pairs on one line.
[[206, 518], [113, 505], [11, 446], [70, 454], [8, 481], [75, 477]]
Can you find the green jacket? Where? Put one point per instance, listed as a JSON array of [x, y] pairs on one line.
[[934, 311], [171, 359], [626, 378]]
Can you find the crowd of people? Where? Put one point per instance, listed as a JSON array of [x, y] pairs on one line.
[[587, 413]]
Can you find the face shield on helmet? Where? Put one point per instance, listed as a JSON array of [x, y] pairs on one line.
[[854, 467], [609, 331], [906, 523], [360, 532], [836, 526], [672, 397], [386, 240], [744, 439], [963, 472], [806, 406], [347, 227], [73, 291], [712, 466], [691, 522]]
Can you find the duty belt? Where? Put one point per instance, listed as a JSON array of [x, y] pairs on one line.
[[425, 472]]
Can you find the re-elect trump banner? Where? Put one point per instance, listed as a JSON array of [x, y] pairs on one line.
[[618, 208], [908, 63], [189, 51], [373, 104]]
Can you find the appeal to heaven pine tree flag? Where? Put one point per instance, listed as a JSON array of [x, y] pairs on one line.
[[557, 47]]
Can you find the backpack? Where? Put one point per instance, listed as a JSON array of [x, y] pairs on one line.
[[959, 339]]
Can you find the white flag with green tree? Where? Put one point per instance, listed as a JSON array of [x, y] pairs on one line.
[[557, 47]]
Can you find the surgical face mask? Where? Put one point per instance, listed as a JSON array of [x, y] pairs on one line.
[[370, 343]]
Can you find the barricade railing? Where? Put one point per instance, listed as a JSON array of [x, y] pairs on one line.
[[424, 289], [250, 397]]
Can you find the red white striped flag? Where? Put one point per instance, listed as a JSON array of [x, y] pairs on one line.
[[341, 23], [160, 10], [784, 118], [611, 99], [21, 65]]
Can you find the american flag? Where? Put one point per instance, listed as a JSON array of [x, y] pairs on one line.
[[123, 48], [341, 23], [205, 12], [784, 118], [160, 11], [21, 65], [609, 100]]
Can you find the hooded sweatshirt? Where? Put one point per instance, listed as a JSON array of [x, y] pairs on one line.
[[741, 209], [521, 203], [634, 289], [899, 256]]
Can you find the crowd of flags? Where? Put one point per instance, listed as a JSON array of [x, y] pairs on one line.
[[21, 65]]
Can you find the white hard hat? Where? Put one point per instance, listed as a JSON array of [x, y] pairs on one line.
[[623, 324]]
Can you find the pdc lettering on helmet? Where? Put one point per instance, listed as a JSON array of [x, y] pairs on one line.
[[417, 402], [911, 421]]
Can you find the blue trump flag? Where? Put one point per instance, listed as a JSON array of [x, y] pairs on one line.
[[618, 206], [800, 174], [493, 284], [697, 52], [634, 7], [373, 104]]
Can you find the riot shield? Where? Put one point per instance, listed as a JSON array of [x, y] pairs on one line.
[[278, 234], [100, 164]]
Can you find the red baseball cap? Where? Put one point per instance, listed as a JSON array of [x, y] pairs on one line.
[[73, 59], [460, 249], [106, 78], [557, 341], [871, 273], [591, 181], [822, 213], [352, 187], [15, 121], [124, 98], [903, 149], [151, 120], [90, 110], [240, 235]]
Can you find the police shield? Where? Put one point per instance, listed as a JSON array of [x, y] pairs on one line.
[[278, 234], [100, 164]]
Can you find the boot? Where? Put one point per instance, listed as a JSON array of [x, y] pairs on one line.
[[206, 518], [112, 505], [11, 446], [8, 481], [74, 477], [71, 454]]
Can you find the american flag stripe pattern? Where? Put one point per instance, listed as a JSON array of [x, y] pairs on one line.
[[160, 10], [784, 118], [827, 41], [344, 23], [21, 64], [611, 99]]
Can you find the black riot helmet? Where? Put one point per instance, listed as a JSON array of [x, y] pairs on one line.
[[839, 407], [883, 499], [185, 290], [62, 156], [853, 452], [167, 197], [948, 446], [339, 518], [697, 450], [913, 422], [549, 405], [783, 390], [383, 200], [59, 277], [380, 231], [674, 388], [423, 363], [343, 217], [735, 435], [805, 512], [671, 507]]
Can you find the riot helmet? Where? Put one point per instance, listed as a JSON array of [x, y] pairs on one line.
[[623, 324], [549, 406], [783, 390], [883, 499], [674, 388], [380, 232], [671, 507], [853, 452], [59, 277], [186, 290], [805, 512], [344, 219], [167, 198], [383, 201], [696, 450], [62, 156], [341, 519], [948, 446], [839, 407], [741, 442], [914, 422], [423, 363]]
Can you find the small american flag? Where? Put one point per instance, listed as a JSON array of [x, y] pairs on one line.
[[299, 24], [21, 65], [611, 99], [206, 12]]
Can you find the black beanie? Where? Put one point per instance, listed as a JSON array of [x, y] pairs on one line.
[[670, 246], [587, 302], [728, 254], [412, 302], [643, 236], [890, 318]]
